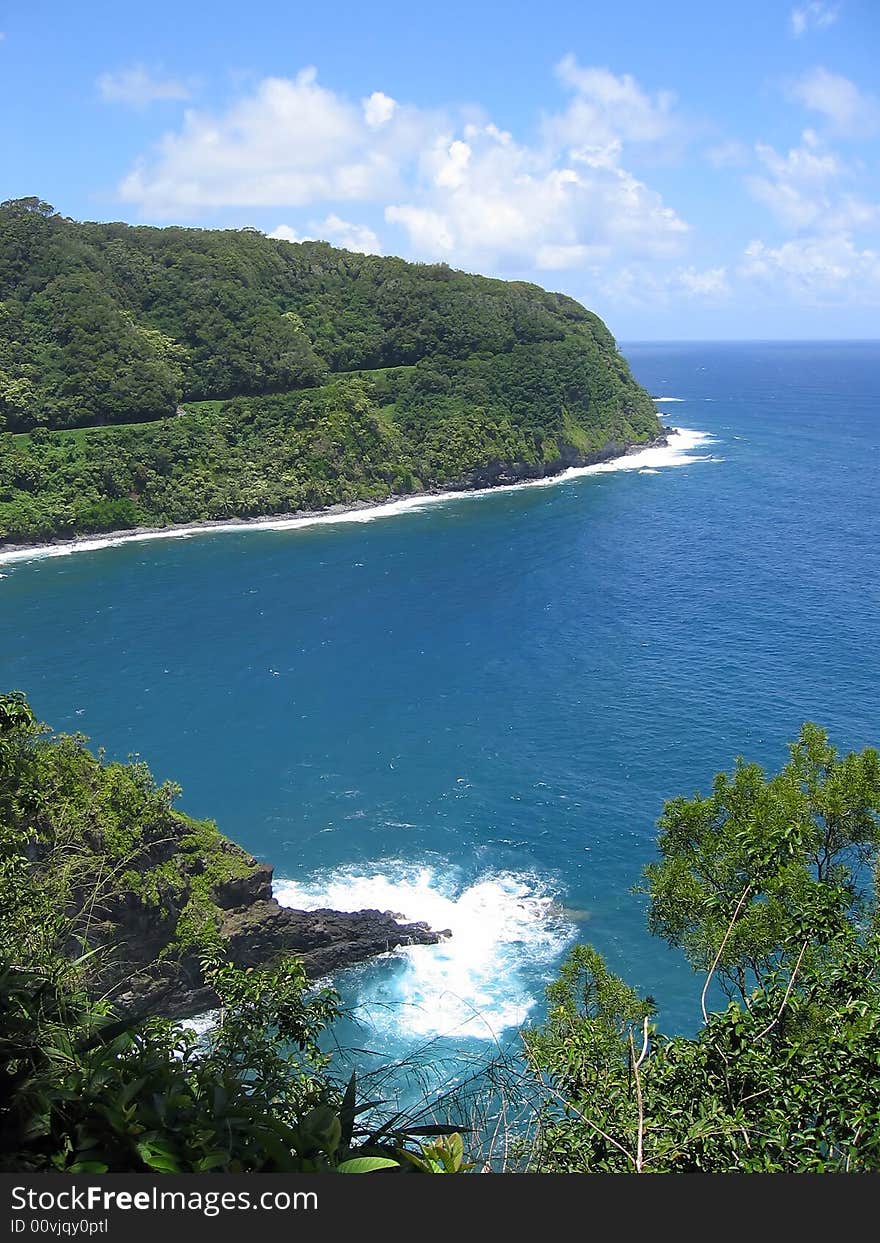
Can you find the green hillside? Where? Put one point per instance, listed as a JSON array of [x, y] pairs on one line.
[[154, 376]]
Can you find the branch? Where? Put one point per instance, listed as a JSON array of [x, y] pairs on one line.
[[773, 1023], [636, 1063], [744, 895], [644, 1044]]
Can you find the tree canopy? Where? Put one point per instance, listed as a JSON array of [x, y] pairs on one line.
[[771, 885], [156, 376]]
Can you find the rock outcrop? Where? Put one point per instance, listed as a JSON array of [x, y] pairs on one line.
[[152, 970]]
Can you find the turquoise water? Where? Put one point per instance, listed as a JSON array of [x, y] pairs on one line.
[[473, 712]]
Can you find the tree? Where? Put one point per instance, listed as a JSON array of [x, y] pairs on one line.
[[32, 206], [770, 884], [765, 866]]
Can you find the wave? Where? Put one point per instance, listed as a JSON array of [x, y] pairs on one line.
[[200, 1024], [508, 932], [678, 452], [669, 399]]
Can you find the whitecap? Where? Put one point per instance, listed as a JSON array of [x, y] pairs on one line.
[[669, 399], [508, 932], [201, 1024]]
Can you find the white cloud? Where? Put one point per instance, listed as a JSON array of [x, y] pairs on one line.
[[849, 111], [455, 188], [609, 112], [450, 163], [804, 189], [820, 269], [378, 109], [709, 283], [289, 143], [796, 190], [553, 257], [284, 233], [333, 229], [814, 15], [138, 87], [637, 285], [349, 236], [487, 200], [428, 230]]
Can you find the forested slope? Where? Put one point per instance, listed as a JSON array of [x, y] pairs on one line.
[[257, 376]]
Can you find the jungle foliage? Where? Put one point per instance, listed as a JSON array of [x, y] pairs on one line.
[[155, 376], [768, 884], [770, 887], [85, 1087]]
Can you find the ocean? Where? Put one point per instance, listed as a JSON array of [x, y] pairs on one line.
[[471, 711]]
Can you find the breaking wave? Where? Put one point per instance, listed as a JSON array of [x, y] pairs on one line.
[[508, 932]]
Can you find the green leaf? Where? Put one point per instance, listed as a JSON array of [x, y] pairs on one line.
[[158, 1158], [366, 1165], [348, 1111]]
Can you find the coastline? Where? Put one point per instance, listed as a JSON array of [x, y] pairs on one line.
[[612, 457]]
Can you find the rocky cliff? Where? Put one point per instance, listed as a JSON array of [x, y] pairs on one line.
[[148, 973]]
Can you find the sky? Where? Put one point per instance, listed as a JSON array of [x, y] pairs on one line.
[[689, 171]]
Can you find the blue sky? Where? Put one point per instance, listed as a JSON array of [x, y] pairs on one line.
[[687, 170]]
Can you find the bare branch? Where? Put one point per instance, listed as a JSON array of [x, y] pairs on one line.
[[743, 896], [636, 1063], [772, 1024], [644, 1043]]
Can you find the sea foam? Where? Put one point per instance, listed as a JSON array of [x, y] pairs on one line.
[[678, 452], [507, 935]]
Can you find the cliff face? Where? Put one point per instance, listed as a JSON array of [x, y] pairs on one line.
[[255, 930], [150, 966]]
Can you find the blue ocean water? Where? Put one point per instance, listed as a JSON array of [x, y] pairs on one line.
[[472, 713]]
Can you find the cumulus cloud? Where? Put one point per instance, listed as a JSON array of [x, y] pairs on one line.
[[819, 269], [378, 109], [553, 256], [564, 202], [485, 199], [284, 233], [450, 186], [290, 142], [139, 87], [428, 230], [348, 235], [608, 111], [708, 283], [850, 112], [814, 15], [638, 285], [806, 188]]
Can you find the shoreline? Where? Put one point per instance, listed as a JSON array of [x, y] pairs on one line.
[[366, 510]]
